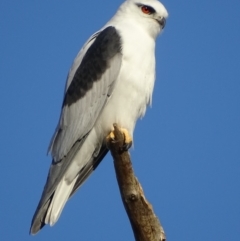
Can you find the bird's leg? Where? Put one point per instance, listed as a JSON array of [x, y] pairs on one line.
[[127, 138]]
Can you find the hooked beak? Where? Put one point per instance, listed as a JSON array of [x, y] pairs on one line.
[[162, 22]]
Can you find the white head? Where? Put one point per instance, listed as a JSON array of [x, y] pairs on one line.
[[150, 14]]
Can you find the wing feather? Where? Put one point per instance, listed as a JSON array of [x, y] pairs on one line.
[[78, 118], [90, 82]]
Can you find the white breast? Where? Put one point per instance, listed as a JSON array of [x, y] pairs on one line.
[[134, 87]]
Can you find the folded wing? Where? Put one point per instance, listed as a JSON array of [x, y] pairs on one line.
[[90, 83]]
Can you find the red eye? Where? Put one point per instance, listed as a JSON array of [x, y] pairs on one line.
[[146, 10]]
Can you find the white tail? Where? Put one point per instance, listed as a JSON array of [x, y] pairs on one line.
[[59, 200]]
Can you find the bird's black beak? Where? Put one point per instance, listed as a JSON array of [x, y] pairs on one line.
[[162, 22]]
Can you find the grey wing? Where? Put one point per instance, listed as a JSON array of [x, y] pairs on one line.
[[87, 90]]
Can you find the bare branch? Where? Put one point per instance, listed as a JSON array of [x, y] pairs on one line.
[[145, 224]]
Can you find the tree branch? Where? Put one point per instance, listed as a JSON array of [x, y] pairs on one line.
[[145, 224]]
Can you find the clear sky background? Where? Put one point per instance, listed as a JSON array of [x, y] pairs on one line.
[[187, 148]]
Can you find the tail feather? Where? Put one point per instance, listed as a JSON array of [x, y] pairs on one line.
[[89, 168], [55, 175], [58, 190], [59, 200]]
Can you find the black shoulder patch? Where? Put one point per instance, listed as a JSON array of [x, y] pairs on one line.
[[93, 65]]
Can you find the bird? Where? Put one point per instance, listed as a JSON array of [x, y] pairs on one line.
[[111, 81]]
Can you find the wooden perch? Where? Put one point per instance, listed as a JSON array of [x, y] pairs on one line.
[[145, 224]]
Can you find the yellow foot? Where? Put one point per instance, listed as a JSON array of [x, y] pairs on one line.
[[127, 138]]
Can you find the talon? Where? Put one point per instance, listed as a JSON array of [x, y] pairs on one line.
[[126, 146], [110, 136], [127, 140]]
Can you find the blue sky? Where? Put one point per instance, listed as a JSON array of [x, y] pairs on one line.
[[187, 148]]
